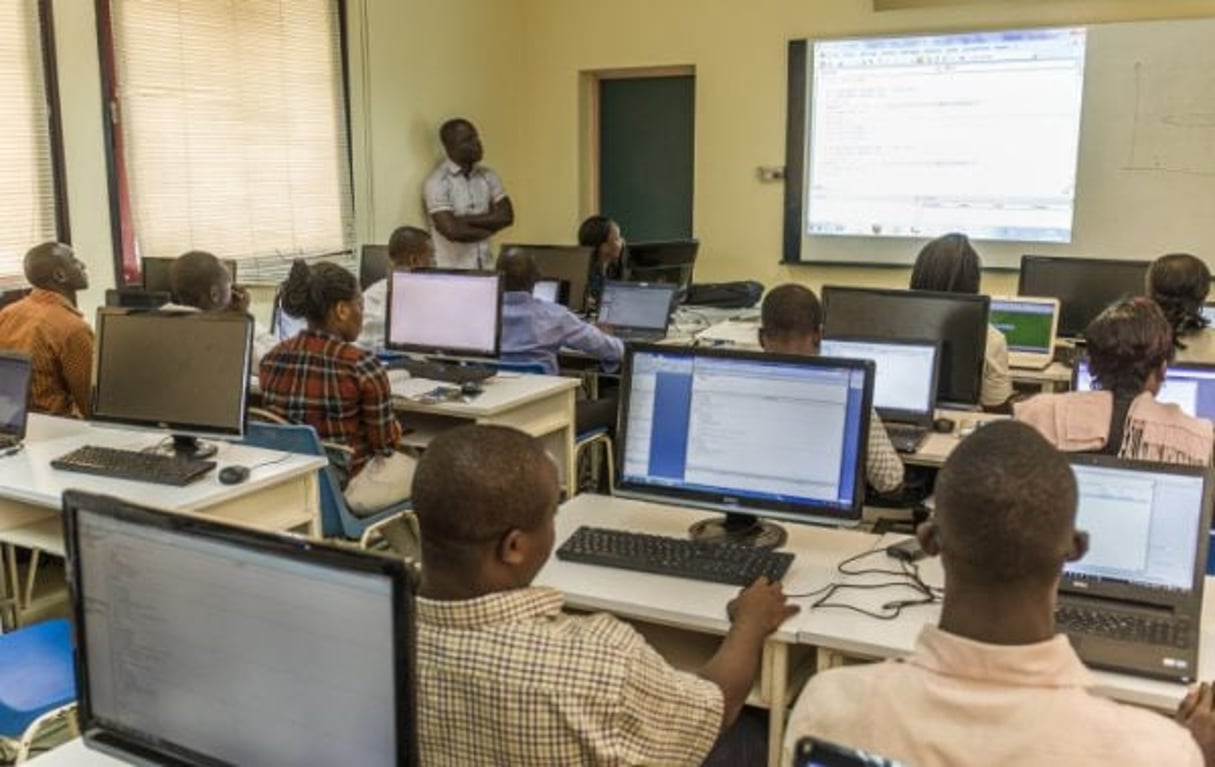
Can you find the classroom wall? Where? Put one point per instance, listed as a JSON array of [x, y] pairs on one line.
[[739, 53]]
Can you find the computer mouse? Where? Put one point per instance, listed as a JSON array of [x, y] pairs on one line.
[[943, 425], [233, 475]]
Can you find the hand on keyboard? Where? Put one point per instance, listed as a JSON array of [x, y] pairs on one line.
[[762, 605]]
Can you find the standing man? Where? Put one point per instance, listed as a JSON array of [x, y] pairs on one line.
[[465, 201]]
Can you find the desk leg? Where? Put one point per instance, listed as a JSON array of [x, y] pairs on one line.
[[827, 659], [776, 667], [9, 589]]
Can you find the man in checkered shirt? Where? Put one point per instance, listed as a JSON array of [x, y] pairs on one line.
[[504, 677]]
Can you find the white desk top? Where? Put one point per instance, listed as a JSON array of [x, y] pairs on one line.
[[1055, 372], [75, 754], [504, 391], [938, 446], [740, 334]]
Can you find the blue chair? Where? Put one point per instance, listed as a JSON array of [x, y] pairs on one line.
[[337, 520], [37, 682]]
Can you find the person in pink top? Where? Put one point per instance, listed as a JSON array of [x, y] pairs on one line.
[[993, 684]]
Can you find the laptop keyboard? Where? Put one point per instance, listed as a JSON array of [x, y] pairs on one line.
[[1124, 627], [906, 439]]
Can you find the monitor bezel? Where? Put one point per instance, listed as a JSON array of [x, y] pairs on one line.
[[176, 428], [788, 511], [107, 737], [449, 351], [895, 414], [1062, 331], [560, 262]]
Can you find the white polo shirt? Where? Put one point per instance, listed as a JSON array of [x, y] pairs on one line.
[[447, 188]]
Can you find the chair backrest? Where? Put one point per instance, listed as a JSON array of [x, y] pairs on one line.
[[301, 438]]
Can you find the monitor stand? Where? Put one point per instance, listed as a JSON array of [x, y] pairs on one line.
[[745, 529], [191, 447]]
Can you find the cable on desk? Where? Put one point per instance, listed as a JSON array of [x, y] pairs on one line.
[[909, 572]]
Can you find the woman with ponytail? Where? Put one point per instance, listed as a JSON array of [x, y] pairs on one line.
[[1180, 282]]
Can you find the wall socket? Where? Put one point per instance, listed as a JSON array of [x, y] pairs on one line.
[[771, 172]]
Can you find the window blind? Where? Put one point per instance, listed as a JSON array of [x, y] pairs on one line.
[[27, 183], [233, 121]]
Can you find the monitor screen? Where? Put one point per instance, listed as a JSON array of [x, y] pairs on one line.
[[1147, 525], [548, 290], [1189, 385], [957, 321], [905, 374], [670, 261], [185, 373], [213, 644], [1028, 326], [285, 325], [568, 263], [636, 305], [1208, 313], [745, 432], [1084, 286], [157, 273], [374, 265], [14, 393], [445, 312]]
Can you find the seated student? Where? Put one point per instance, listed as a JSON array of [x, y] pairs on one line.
[[201, 283], [408, 248], [506, 677], [791, 322], [602, 234], [993, 684], [949, 264], [321, 378], [48, 327], [1129, 346], [1180, 282]]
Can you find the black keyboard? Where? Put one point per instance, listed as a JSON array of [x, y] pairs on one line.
[[1126, 627], [906, 439], [133, 464], [732, 563], [445, 372]]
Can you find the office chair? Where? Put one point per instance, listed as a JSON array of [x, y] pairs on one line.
[[267, 430], [37, 683]]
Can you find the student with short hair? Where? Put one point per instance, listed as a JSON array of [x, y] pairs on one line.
[[408, 248], [791, 322], [1180, 283], [602, 234], [320, 377], [950, 264], [504, 675], [201, 283], [1129, 346], [993, 683], [48, 327]]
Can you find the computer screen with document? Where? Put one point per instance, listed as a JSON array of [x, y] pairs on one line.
[[1189, 385], [636, 305], [905, 374]]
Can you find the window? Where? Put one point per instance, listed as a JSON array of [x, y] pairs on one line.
[[232, 131], [29, 207]]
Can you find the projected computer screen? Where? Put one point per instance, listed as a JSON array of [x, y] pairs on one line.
[[918, 136], [452, 312]]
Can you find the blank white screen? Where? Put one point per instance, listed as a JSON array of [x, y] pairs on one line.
[[903, 373], [456, 312]]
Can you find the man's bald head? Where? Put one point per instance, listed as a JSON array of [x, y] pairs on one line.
[[201, 280], [519, 271], [54, 266]]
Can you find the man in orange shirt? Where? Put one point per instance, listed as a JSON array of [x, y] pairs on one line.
[[48, 327]]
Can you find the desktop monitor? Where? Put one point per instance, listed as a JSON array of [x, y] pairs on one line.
[[958, 321], [444, 311], [157, 273], [374, 265], [905, 374], [1189, 385], [552, 291], [15, 371], [205, 643], [669, 261], [185, 374], [570, 264], [1084, 286], [747, 433]]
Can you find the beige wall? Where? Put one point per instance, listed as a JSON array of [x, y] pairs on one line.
[[739, 52]]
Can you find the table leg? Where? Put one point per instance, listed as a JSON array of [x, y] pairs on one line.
[[777, 669]]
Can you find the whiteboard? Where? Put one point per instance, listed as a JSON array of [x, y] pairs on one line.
[[1146, 174]]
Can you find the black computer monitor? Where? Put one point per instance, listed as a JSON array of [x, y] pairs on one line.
[[670, 261], [204, 643], [957, 320], [446, 312], [184, 374], [374, 265], [13, 296], [569, 264], [751, 434], [136, 298], [157, 273], [1084, 286]]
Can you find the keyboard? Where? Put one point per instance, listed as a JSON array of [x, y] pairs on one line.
[[1126, 627], [446, 372], [732, 563], [906, 439], [133, 464]]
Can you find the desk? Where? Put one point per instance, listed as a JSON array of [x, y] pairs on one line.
[[75, 754], [1055, 377], [938, 446], [542, 406]]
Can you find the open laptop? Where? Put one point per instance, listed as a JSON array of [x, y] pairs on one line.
[[1133, 603], [637, 311], [15, 372], [905, 383], [1029, 325], [1189, 385]]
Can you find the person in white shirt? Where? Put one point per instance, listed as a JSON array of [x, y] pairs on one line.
[[201, 283], [408, 248], [465, 201]]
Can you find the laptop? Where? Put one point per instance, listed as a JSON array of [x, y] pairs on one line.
[[1189, 385], [283, 325], [905, 383], [1134, 602], [637, 311], [15, 370], [1029, 326]]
